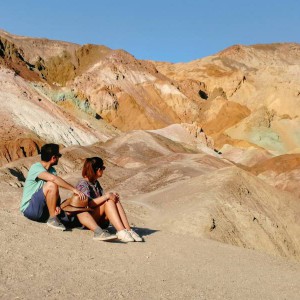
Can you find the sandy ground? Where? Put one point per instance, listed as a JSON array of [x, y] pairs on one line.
[[40, 262]]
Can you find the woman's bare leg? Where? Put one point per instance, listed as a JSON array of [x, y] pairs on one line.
[[113, 215], [114, 212], [122, 215], [86, 219], [109, 208]]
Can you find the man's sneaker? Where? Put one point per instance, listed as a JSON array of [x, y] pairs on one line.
[[135, 236], [124, 236], [56, 224], [104, 236]]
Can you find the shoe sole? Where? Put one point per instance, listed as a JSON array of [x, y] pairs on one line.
[[126, 241], [55, 227], [138, 239], [135, 236], [105, 239]]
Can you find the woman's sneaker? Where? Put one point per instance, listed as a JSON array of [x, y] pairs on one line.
[[104, 236], [135, 236], [125, 236]]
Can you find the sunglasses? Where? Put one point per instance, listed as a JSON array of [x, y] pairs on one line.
[[102, 168]]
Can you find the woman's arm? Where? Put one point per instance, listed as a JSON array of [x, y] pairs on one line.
[[100, 200]]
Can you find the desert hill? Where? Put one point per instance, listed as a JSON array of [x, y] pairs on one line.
[[264, 78], [282, 171], [239, 96]]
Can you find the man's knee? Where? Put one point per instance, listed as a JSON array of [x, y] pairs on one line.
[[50, 187]]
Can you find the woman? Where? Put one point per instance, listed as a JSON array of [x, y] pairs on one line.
[[106, 207]]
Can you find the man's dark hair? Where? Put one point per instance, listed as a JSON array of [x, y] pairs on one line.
[[49, 150]]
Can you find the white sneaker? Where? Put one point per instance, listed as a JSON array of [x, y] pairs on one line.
[[135, 236], [125, 236]]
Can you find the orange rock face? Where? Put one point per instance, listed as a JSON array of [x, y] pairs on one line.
[[22, 147]]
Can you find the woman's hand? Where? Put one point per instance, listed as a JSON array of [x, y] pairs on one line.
[[117, 196], [112, 196], [107, 196]]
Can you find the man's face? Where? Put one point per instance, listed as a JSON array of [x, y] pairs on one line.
[[55, 159]]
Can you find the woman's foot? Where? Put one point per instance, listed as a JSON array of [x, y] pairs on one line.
[[103, 235], [135, 236], [125, 236]]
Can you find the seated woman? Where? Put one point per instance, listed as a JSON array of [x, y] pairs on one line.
[[106, 207]]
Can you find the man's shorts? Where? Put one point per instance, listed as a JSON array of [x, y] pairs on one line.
[[37, 209]]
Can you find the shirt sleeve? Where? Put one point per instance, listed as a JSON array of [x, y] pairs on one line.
[[35, 171], [83, 186], [53, 171]]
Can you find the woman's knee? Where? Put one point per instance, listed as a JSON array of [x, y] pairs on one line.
[[109, 204]]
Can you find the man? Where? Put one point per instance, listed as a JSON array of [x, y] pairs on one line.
[[40, 201]]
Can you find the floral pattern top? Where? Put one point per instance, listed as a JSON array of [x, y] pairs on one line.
[[91, 190]]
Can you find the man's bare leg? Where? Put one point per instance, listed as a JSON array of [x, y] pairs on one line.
[[51, 193]]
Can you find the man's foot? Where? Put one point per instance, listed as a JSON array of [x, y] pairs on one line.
[[125, 236], [56, 224], [135, 236], [104, 236]]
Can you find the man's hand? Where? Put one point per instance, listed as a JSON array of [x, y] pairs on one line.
[[46, 176], [81, 195], [57, 210]]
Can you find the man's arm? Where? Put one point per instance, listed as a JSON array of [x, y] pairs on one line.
[[46, 176]]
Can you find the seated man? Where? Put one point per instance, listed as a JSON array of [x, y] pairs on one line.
[[40, 201]]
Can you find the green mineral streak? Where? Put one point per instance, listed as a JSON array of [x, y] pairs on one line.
[[61, 96], [267, 139]]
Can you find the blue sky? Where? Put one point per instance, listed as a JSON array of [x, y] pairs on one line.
[[165, 30]]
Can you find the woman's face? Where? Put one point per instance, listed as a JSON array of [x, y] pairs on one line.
[[100, 171]]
